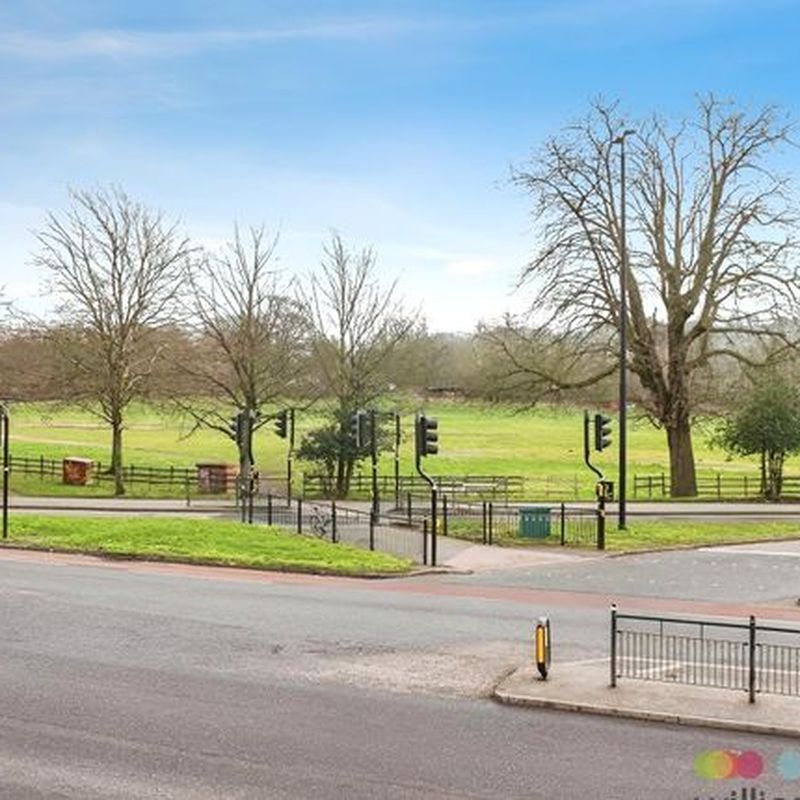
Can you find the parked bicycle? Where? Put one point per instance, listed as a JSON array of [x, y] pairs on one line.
[[321, 523]]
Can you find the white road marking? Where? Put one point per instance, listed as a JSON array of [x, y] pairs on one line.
[[749, 552]]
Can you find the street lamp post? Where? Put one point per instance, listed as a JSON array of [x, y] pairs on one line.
[[623, 342]]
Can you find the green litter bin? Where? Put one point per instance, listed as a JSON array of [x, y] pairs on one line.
[[534, 522]]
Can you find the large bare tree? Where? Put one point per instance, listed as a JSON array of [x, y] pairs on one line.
[[115, 268], [358, 324], [711, 244], [251, 335]]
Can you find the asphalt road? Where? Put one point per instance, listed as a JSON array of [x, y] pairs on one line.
[[151, 681]]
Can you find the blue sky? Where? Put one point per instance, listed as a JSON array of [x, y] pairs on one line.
[[393, 123]]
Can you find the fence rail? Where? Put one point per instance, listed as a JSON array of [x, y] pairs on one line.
[[328, 521], [487, 521], [494, 486], [185, 477], [727, 655], [720, 485], [131, 473]]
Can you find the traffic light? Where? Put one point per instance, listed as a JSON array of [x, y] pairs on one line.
[[359, 428], [282, 423], [602, 432], [427, 435], [237, 426]]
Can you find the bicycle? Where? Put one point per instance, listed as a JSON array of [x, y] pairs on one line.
[[320, 523]]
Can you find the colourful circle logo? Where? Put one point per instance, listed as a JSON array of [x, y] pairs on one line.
[[789, 765], [720, 765]]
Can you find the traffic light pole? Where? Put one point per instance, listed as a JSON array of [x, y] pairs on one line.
[[289, 457], [600, 490], [246, 463], [586, 448], [418, 451], [4, 431], [396, 459], [434, 508], [373, 451]]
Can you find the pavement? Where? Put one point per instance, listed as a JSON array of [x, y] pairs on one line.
[[120, 505], [584, 687], [640, 508], [461, 556]]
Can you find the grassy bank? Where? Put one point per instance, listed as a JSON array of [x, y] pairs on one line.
[[649, 534], [657, 534], [198, 541]]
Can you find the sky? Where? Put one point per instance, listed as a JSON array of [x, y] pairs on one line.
[[394, 124]]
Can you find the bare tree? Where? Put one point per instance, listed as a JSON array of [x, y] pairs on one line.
[[358, 325], [29, 364], [250, 334], [711, 240], [115, 267]]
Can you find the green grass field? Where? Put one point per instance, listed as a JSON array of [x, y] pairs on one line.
[[200, 542], [544, 445], [647, 534]]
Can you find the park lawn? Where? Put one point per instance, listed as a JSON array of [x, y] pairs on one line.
[[200, 541], [648, 534], [544, 445], [673, 534]]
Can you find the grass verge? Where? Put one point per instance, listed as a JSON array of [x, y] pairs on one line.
[[649, 534], [200, 542], [669, 534]]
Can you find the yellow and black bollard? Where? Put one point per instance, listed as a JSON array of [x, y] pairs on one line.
[[542, 646]]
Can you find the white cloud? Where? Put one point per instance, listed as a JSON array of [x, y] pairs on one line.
[[158, 44], [469, 267], [111, 43]]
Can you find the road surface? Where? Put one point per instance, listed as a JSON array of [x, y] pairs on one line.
[[129, 680]]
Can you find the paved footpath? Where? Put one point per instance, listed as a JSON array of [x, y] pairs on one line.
[[584, 687]]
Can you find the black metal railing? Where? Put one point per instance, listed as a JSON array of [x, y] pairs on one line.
[[741, 656], [488, 522], [334, 523]]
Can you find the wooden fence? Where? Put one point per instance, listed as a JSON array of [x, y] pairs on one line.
[[488, 486], [51, 468], [720, 486]]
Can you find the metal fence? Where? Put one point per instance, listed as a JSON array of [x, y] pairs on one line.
[[333, 523], [489, 486], [488, 522], [728, 655]]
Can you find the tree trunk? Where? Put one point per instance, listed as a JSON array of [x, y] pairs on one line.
[[683, 480], [775, 475], [116, 455]]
